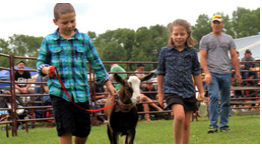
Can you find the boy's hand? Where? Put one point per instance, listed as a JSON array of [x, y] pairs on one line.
[[49, 71], [111, 88]]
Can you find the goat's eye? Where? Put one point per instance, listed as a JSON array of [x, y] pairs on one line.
[[130, 89]]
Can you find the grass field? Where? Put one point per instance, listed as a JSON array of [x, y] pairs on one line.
[[244, 130]]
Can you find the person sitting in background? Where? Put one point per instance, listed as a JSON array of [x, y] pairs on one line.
[[140, 68], [23, 88], [117, 68], [99, 100], [42, 89], [46, 99], [149, 97], [248, 66], [241, 66]]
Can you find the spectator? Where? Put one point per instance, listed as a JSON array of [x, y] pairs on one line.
[[117, 68], [237, 93], [23, 88], [42, 89], [249, 66], [140, 68], [241, 66], [150, 88], [149, 97], [214, 49], [45, 88], [100, 99]]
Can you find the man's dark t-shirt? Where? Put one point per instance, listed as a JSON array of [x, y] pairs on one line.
[[152, 95], [22, 78]]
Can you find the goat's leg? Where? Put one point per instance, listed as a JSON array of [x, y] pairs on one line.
[[115, 136], [109, 133], [126, 139], [130, 137]]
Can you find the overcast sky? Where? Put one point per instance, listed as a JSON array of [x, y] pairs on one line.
[[35, 18]]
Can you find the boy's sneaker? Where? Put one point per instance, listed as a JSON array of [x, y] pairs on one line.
[[225, 130], [212, 129]]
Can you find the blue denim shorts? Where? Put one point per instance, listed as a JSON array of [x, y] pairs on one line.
[[70, 118]]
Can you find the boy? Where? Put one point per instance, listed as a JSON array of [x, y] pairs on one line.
[[68, 50]]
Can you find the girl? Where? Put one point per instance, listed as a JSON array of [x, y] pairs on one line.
[[177, 63]]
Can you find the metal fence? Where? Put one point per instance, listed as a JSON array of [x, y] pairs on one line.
[[11, 118]]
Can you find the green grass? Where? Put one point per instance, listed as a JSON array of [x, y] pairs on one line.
[[244, 130]]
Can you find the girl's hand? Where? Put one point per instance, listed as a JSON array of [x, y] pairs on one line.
[[203, 98], [161, 99]]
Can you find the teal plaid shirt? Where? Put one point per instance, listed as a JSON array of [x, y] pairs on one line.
[[69, 56]]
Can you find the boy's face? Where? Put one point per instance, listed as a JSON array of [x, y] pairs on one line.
[[66, 24]]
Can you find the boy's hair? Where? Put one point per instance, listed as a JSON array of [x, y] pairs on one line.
[[181, 22], [20, 62], [63, 8]]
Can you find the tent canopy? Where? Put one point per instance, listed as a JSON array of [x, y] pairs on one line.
[[5, 74]]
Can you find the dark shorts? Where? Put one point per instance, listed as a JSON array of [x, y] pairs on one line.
[[189, 104], [70, 118]]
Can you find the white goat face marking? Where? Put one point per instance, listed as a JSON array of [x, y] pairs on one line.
[[135, 84]]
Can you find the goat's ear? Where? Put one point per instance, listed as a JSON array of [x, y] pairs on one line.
[[147, 77], [119, 79]]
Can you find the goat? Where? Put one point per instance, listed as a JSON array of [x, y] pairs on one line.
[[123, 117]]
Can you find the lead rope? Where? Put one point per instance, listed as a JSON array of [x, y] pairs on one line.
[[52, 70]]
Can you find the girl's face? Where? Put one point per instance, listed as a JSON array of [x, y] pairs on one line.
[[179, 36]]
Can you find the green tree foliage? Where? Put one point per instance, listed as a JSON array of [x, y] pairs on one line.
[[246, 22], [21, 45], [4, 49], [92, 35], [202, 27]]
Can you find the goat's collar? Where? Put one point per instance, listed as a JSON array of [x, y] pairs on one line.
[[122, 107]]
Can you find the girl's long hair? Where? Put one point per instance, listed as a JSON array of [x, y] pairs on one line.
[[190, 42]]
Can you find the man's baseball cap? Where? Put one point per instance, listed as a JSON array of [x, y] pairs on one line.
[[217, 18]]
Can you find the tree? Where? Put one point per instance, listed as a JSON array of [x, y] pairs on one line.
[[26, 46], [201, 28], [4, 49], [120, 40], [92, 35], [246, 22]]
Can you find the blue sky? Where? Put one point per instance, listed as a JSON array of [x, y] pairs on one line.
[[35, 18]]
